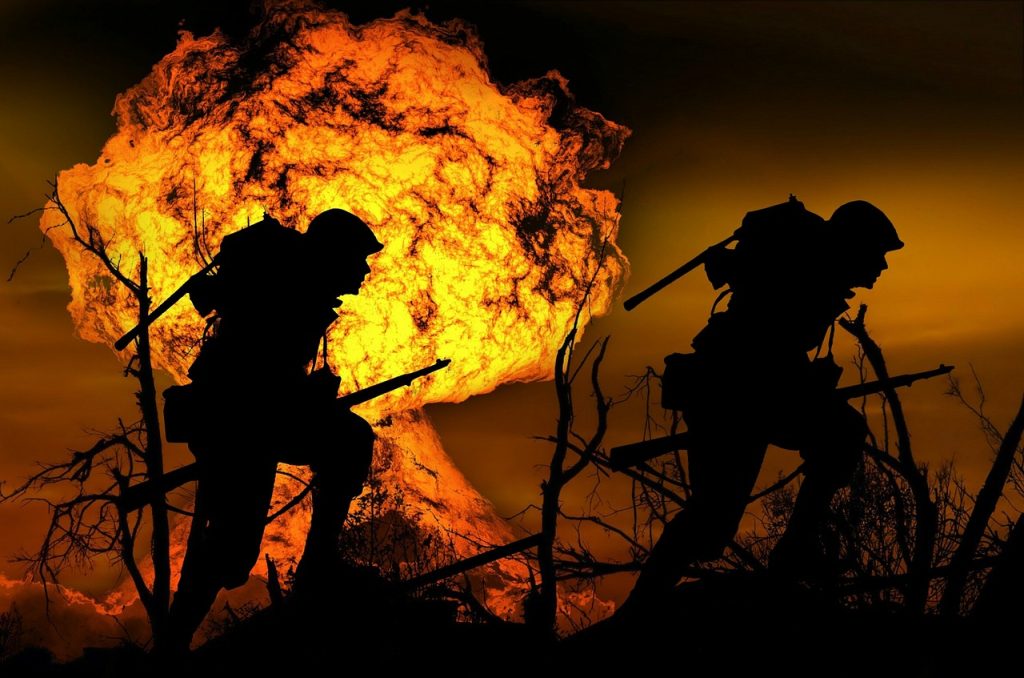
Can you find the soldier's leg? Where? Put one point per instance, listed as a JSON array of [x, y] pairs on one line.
[[340, 469], [723, 466], [242, 519], [224, 539], [831, 455], [198, 582]]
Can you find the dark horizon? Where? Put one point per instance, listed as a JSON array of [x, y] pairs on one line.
[[914, 106]]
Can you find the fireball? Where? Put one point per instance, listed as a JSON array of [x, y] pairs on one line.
[[490, 242]]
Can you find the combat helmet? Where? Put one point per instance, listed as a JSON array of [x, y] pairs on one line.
[[338, 231], [865, 227]]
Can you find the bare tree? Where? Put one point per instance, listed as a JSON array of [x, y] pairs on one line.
[[926, 520], [542, 610], [1006, 447], [905, 536], [92, 520]]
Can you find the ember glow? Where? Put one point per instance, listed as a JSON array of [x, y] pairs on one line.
[[473, 187]]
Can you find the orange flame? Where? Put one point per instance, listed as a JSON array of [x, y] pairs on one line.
[[473, 187]]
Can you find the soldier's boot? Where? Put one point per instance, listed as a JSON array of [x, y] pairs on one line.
[[686, 539], [799, 553], [830, 463], [187, 612], [202, 576], [337, 480], [320, 562]]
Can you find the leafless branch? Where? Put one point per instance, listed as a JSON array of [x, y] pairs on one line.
[[984, 507], [927, 517]]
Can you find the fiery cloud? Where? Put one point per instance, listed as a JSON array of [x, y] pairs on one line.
[[472, 187]]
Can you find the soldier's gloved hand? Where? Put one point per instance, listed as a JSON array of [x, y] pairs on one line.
[[719, 266], [204, 291], [356, 430], [323, 384], [824, 373]]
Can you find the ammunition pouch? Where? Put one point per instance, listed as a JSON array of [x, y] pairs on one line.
[[682, 380], [192, 413], [720, 266], [824, 374], [322, 385], [179, 413]]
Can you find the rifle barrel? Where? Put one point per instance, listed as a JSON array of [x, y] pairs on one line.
[[869, 387], [626, 456], [371, 392], [176, 296], [496, 553], [642, 296], [140, 494]]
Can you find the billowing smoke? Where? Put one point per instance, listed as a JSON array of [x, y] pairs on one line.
[[472, 186]]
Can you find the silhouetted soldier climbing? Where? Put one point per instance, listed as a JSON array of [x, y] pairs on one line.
[[750, 381], [252, 403]]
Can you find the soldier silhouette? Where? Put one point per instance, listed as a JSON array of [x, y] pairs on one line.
[[254, 401], [751, 382]]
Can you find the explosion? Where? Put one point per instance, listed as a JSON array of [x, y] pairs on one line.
[[490, 243]]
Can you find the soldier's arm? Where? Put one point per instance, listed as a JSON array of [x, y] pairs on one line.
[[203, 290], [719, 265], [824, 374]]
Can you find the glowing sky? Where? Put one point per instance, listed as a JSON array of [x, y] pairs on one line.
[[916, 107]]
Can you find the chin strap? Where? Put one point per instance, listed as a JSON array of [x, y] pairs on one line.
[[323, 352], [831, 340], [726, 292]]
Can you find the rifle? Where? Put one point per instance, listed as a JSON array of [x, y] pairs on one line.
[[625, 456], [466, 564], [370, 392], [698, 260], [138, 495], [175, 296], [755, 225], [869, 387]]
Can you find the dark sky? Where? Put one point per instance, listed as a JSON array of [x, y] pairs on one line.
[[915, 106]]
